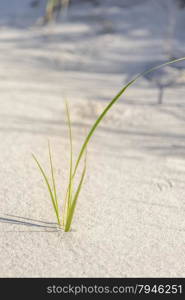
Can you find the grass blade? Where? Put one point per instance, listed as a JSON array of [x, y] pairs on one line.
[[49, 189], [107, 108], [70, 185], [73, 205], [53, 177]]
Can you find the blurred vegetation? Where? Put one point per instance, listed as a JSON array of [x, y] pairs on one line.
[[54, 8]]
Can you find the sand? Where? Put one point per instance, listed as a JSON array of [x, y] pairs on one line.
[[130, 216]]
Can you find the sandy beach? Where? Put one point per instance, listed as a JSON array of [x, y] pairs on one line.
[[130, 219]]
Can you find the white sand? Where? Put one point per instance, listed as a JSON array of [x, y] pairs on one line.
[[130, 218]]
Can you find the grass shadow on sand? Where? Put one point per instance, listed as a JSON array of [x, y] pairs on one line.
[[18, 220]]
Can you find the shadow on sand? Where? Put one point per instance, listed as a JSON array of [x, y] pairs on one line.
[[18, 220]]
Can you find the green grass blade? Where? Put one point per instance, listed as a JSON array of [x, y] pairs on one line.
[[73, 205], [93, 128], [70, 185], [53, 177], [49, 188]]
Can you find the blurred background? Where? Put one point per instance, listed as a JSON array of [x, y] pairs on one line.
[[94, 36], [85, 50]]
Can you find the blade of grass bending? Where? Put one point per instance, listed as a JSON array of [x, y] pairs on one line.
[[73, 205], [53, 180], [49, 188], [70, 185], [107, 108]]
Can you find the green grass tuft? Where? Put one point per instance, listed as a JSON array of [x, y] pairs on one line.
[[71, 196]]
